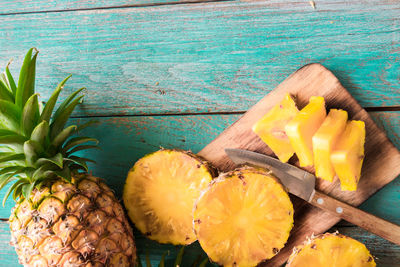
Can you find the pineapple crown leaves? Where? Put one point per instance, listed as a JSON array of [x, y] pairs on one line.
[[35, 144]]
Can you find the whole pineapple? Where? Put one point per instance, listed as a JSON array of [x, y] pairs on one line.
[[63, 216]]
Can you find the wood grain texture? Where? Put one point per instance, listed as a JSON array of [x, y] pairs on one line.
[[21, 6], [215, 57], [381, 163]]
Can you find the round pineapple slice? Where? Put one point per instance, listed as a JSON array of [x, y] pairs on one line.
[[332, 250], [244, 217], [160, 192]]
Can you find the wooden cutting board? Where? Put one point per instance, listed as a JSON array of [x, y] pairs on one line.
[[381, 164]]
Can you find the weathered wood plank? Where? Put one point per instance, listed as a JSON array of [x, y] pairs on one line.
[[126, 139], [208, 57], [20, 6]]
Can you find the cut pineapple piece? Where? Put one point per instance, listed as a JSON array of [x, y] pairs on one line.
[[244, 217], [348, 155], [303, 126], [324, 140], [333, 250], [160, 192], [271, 128]]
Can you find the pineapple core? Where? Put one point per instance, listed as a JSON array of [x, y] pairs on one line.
[[324, 140], [244, 217], [271, 128], [160, 192], [302, 128], [333, 250], [348, 155]]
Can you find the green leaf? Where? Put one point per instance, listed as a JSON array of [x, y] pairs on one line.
[[11, 189], [61, 109], [64, 173], [16, 142], [27, 189], [5, 93], [12, 157], [148, 263], [56, 160], [179, 257], [44, 171], [17, 192], [78, 161], [204, 262], [32, 151], [30, 115], [10, 115], [48, 108], [162, 261], [79, 148], [26, 82], [10, 169], [40, 133], [59, 122], [10, 80], [77, 141], [4, 132], [62, 136], [7, 178], [84, 159], [86, 124]]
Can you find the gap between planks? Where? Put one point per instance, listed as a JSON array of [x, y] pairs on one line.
[[368, 109], [183, 2]]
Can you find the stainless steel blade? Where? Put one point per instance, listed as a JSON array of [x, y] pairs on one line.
[[298, 181]]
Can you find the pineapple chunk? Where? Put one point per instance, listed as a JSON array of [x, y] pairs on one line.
[[348, 155], [303, 126], [244, 217], [332, 250], [324, 140], [271, 128]]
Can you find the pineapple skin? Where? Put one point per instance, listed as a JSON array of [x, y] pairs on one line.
[[72, 224], [331, 249]]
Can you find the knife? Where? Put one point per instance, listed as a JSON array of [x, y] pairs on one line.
[[302, 184]]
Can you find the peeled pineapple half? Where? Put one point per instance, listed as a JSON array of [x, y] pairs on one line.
[[244, 217], [333, 250], [160, 193]]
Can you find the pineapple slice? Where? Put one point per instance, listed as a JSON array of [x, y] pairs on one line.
[[324, 140], [244, 217], [271, 128], [348, 155], [332, 250], [160, 192], [303, 126]]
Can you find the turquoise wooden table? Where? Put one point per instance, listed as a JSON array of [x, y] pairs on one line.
[[175, 73]]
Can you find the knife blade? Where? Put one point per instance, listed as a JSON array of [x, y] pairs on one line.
[[298, 182]]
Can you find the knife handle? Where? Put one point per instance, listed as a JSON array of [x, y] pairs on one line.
[[369, 222]]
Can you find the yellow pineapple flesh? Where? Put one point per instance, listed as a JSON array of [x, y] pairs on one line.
[[333, 250], [160, 192], [348, 155], [303, 126], [244, 217], [324, 140], [271, 128]]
